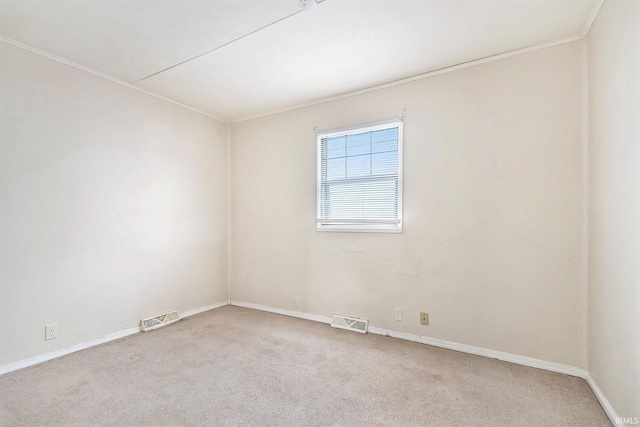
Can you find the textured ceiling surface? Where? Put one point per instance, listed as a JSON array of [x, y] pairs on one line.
[[237, 59]]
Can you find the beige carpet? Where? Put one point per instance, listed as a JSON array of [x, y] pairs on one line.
[[235, 366]]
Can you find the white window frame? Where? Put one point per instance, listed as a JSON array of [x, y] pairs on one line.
[[360, 225]]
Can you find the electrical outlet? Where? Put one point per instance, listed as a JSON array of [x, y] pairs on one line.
[[424, 318], [51, 331], [296, 302], [398, 314]]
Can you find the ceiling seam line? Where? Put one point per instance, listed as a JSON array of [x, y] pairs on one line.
[[592, 16], [217, 48], [105, 76]]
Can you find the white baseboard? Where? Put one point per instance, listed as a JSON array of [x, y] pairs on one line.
[[485, 352], [298, 314], [479, 351], [25, 363], [464, 348], [608, 409], [195, 311]]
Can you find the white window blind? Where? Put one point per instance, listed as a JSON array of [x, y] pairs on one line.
[[360, 179]]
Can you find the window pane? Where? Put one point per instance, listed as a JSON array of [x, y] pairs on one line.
[[358, 166], [359, 143], [336, 147], [384, 140], [385, 163], [335, 168]]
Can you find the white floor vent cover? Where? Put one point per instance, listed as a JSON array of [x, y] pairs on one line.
[[156, 322], [350, 323]]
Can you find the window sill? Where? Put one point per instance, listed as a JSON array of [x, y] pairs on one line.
[[354, 229]]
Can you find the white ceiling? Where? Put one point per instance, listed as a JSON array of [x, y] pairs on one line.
[[235, 59]]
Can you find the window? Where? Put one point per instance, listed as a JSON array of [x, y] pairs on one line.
[[360, 179]]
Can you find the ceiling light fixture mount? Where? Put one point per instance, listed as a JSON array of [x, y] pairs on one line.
[[308, 4]]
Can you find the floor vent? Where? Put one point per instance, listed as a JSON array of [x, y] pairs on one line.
[[156, 322], [350, 323]]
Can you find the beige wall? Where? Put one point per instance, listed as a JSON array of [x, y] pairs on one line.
[[493, 214], [113, 206], [614, 242]]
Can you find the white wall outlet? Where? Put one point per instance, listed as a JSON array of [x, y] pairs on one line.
[[296, 302], [51, 331], [398, 314]]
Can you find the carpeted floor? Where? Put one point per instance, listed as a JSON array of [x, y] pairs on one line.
[[240, 367]]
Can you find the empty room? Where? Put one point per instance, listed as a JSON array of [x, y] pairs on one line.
[[320, 212]]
